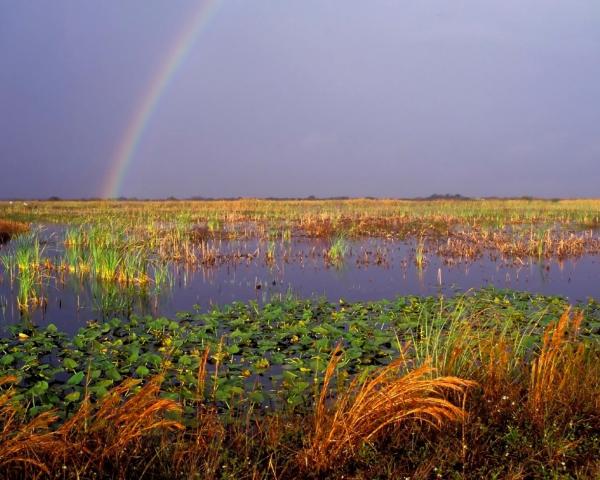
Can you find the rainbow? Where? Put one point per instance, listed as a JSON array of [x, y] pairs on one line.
[[126, 149]]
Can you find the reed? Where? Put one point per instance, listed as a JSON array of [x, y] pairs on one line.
[[367, 409], [9, 264], [99, 437], [565, 375], [270, 253]]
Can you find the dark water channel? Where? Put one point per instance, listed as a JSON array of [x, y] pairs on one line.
[[372, 269]]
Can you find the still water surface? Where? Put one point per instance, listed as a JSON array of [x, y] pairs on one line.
[[372, 269]]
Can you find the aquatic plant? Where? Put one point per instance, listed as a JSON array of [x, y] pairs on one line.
[[28, 292], [9, 263], [338, 249], [213, 225], [420, 254], [133, 266], [24, 263], [162, 276], [105, 261], [286, 235], [270, 252], [27, 252]]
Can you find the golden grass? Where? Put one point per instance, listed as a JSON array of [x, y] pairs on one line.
[[366, 409], [565, 376], [100, 435], [24, 442], [116, 425], [9, 228], [197, 448]]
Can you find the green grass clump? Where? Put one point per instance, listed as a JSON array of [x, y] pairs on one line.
[[338, 249]]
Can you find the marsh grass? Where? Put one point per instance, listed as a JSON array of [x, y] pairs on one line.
[[565, 375], [121, 242], [516, 410], [462, 341], [420, 254], [9, 229], [338, 250], [323, 218], [369, 408], [270, 252], [101, 437], [9, 263], [24, 263], [162, 277]]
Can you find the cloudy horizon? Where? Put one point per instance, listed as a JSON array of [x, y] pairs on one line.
[[292, 99]]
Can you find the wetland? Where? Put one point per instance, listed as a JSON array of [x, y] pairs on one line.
[[227, 322]]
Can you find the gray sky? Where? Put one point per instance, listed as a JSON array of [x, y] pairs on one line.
[[304, 97]]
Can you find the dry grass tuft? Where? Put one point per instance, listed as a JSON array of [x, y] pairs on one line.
[[198, 448], [368, 408], [496, 368], [100, 436], [114, 428], [565, 376], [22, 443]]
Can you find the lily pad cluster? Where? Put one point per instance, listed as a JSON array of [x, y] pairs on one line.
[[273, 356]]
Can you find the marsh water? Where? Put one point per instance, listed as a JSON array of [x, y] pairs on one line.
[[371, 269]]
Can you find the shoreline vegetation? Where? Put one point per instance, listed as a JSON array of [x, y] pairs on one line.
[[489, 384], [9, 229], [129, 249]]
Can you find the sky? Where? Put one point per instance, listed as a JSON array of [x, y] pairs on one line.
[[385, 98]]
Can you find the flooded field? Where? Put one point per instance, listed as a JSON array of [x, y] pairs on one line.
[[254, 270]]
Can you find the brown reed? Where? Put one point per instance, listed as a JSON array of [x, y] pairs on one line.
[[366, 409]]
